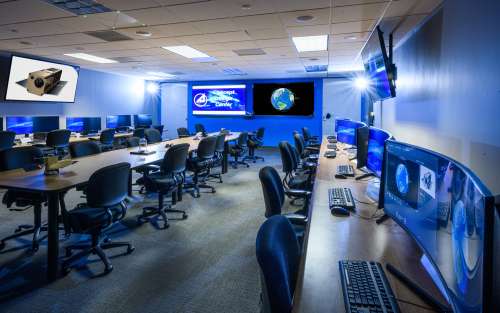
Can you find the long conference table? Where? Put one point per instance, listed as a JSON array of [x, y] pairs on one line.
[[329, 239], [54, 187]]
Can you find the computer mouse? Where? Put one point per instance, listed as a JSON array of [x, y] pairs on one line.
[[339, 211], [340, 176], [168, 145]]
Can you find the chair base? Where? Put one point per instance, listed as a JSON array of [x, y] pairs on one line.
[[156, 214], [234, 164], [96, 248], [24, 230], [253, 158]]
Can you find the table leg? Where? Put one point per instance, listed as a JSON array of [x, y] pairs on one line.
[[225, 158], [53, 236]]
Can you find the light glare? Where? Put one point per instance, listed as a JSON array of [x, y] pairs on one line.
[[361, 83], [152, 88]]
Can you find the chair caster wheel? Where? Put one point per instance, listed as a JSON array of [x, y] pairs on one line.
[[108, 269], [130, 249], [184, 216], [214, 191], [65, 270], [34, 248]]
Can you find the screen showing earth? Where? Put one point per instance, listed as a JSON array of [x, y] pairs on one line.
[[283, 99]]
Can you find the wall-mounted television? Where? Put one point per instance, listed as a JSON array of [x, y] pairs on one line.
[[283, 99], [114, 121], [32, 124], [36, 80], [218, 100], [83, 124], [143, 120]]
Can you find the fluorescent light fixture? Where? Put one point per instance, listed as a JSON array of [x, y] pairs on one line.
[[311, 43], [187, 52], [161, 74], [361, 83], [90, 57]]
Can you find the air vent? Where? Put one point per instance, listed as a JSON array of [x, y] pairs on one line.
[[316, 68], [244, 52], [233, 71], [79, 7], [108, 35], [125, 59]]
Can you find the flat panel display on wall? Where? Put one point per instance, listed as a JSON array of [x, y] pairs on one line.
[[35, 80], [284, 99], [218, 100]]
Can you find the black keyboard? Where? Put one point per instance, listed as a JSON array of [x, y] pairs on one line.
[[330, 154], [366, 288], [346, 170], [332, 146], [342, 197]]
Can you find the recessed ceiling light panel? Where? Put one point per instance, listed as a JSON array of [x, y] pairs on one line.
[[311, 43], [90, 57], [187, 52]]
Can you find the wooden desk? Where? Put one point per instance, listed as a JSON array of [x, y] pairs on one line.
[[54, 187], [329, 239], [83, 138]]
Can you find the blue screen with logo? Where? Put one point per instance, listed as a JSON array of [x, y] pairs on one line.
[[20, 124], [375, 155], [442, 205], [346, 130], [219, 100]]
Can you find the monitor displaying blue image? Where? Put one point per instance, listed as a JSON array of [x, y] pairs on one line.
[[376, 71], [346, 130], [75, 124], [20, 124], [83, 124], [219, 100], [45, 124], [114, 121], [375, 154], [142, 120], [447, 210]]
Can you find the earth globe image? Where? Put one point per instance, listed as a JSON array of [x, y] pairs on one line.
[[402, 179], [282, 99]]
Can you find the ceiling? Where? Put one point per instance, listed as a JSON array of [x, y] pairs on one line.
[[215, 27]]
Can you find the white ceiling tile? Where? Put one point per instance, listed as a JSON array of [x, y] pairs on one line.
[[352, 37], [294, 5], [410, 7], [320, 16], [214, 38], [269, 33], [28, 10], [309, 30], [128, 4], [216, 26], [353, 27], [153, 16], [81, 24], [358, 12], [339, 3], [273, 43], [258, 21]]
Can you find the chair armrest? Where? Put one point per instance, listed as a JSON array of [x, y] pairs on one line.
[[298, 193], [296, 219], [312, 148]]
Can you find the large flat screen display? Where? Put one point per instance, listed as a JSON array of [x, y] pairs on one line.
[[284, 99], [32, 124], [219, 100], [449, 212], [114, 121], [83, 124], [35, 80], [346, 130], [143, 120]]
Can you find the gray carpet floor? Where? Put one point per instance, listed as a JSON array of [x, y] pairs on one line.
[[203, 264]]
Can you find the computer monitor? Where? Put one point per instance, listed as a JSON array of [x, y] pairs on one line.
[[452, 216], [115, 121], [83, 124], [142, 120], [21, 125], [346, 130], [45, 124], [1, 123], [370, 148]]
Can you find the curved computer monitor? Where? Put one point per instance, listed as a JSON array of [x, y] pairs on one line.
[[346, 130], [370, 148], [451, 215]]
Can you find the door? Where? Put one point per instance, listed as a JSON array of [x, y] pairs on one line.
[[174, 107]]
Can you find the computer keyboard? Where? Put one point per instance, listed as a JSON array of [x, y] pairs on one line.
[[342, 197], [332, 146], [346, 170], [330, 154], [366, 288]]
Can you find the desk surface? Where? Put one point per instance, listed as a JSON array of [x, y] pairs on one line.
[[81, 171], [330, 239]]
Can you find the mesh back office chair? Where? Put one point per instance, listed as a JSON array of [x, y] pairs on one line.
[[152, 135], [58, 141], [254, 142], [309, 139], [107, 189], [200, 165], [293, 179], [132, 142], [200, 128], [106, 139], [278, 255], [7, 139], [183, 132], [28, 158], [139, 132], [239, 149], [159, 128], [167, 181], [83, 148], [218, 157], [305, 152]]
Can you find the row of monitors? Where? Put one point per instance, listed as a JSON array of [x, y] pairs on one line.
[[34, 124], [443, 205]]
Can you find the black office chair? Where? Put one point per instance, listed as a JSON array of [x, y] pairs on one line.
[[83, 148], [58, 142], [309, 153], [293, 179], [107, 139], [167, 181], [200, 128], [132, 142], [28, 158], [310, 139], [274, 196], [239, 150], [183, 132], [159, 128], [254, 142], [139, 132], [200, 163], [106, 191], [7, 139], [278, 255], [216, 168], [40, 136], [152, 135]]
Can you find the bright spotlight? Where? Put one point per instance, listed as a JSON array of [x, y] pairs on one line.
[[361, 83], [152, 88]]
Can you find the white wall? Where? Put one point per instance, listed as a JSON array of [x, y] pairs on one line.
[[341, 100], [174, 107]]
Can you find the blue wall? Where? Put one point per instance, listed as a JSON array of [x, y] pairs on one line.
[[277, 127], [97, 94]]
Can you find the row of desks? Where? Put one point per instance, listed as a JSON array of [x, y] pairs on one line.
[[54, 187], [329, 239], [118, 136]]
